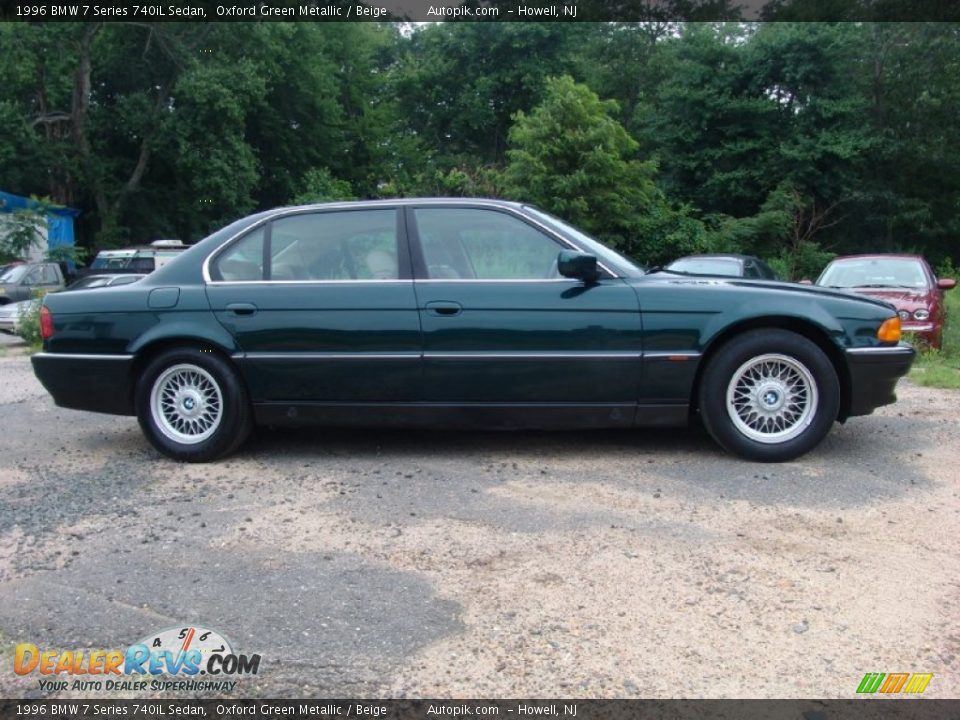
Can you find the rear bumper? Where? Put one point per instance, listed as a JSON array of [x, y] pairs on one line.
[[96, 383], [874, 372]]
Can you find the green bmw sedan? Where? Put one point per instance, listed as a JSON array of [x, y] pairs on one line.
[[459, 314]]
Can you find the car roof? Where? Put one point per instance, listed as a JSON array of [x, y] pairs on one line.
[[868, 256], [717, 256], [347, 204]]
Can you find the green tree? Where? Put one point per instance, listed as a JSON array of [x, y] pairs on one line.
[[459, 84], [571, 157], [19, 232], [320, 186]]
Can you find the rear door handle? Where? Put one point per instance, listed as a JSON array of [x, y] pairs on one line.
[[444, 307], [242, 308]]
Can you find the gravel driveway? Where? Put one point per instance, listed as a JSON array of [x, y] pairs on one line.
[[611, 564]]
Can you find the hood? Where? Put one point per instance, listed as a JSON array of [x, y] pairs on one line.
[[901, 298], [778, 285]]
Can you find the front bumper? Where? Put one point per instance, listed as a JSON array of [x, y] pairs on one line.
[[97, 383], [874, 372]]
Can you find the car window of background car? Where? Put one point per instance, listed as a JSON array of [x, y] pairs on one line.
[[50, 276], [484, 244], [880, 271], [14, 274], [141, 264], [703, 266], [354, 245], [766, 271]]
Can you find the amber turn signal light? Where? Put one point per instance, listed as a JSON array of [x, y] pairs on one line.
[[890, 330]]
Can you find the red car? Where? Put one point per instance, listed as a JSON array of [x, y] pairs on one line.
[[904, 281]]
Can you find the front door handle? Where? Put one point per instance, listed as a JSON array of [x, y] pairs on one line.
[[242, 308], [445, 308]]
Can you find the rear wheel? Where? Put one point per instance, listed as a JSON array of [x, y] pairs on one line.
[[769, 395], [192, 406]]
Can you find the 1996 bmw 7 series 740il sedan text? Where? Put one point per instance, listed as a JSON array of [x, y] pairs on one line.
[[459, 313]]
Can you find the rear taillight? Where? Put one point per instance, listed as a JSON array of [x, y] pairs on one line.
[[46, 323]]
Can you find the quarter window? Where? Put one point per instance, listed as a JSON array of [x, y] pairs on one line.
[[461, 243], [242, 261]]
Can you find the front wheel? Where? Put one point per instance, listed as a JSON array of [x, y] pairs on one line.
[[769, 395], [192, 406]]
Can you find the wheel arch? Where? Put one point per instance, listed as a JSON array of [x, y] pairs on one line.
[[149, 350], [805, 328]]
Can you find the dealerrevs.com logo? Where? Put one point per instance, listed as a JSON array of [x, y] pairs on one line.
[[181, 653]]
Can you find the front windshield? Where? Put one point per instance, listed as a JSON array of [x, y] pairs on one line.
[[14, 274], [874, 272], [615, 261]]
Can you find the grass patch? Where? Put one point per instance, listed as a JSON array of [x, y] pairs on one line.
[[941, 368]]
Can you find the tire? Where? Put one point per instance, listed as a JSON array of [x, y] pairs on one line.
[[769, 395], [192, 405]]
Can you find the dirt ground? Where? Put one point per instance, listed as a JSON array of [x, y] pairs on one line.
[[644, 564]]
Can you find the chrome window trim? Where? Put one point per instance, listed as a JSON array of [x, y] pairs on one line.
[[82, 356], [413, 204], [505, 280], [281, 213], [307, 282]]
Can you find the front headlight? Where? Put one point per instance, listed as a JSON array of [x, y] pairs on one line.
[[904, 315], [921, 314]]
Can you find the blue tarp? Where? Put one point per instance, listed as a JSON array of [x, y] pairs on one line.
[[59, 218]]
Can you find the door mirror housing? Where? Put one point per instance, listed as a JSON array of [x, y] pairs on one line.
[[946, 283], [579, 265]]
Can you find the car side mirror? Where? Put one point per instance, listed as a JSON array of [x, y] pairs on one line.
[[579, 265], [946, 283], [806, 281]]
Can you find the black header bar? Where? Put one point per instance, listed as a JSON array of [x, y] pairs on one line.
[[478, 10], [559, 709]]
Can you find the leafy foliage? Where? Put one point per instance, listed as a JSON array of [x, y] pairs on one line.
[[787, 140], [572, 157], [28, 327], [20, 231]]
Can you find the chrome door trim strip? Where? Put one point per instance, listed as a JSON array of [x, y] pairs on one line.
[[666, 354], [521, 355], [533, 355], [326, 356], [882, 350], [81, 356]]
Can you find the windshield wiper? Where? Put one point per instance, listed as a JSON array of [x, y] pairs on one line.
[[884, 285]]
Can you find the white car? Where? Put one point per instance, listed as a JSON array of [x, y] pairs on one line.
[[10, 315]]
